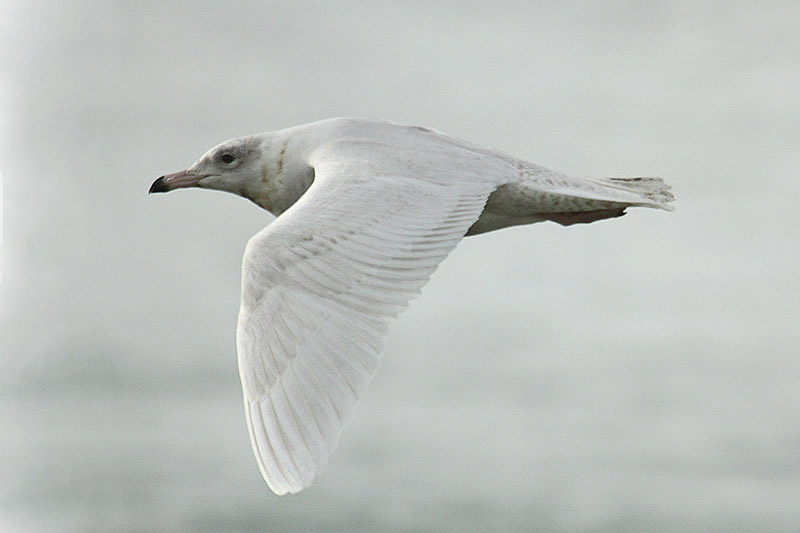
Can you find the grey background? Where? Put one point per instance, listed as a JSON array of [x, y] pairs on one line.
[[639, 373]]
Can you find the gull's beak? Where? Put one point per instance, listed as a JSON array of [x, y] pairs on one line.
[[176, 180]]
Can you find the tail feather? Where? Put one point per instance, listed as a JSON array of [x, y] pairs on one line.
[[545, 195], [654, 191], [617, 195]]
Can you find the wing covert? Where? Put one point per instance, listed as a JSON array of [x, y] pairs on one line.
[[319, 286]]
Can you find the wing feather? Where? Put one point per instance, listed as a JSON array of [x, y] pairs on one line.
[[319, 286]]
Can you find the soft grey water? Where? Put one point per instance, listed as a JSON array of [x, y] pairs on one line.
[[634, 374]]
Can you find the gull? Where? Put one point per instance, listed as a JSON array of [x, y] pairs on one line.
[[366, 210]]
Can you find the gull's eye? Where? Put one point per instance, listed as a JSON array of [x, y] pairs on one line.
[[227, 158]]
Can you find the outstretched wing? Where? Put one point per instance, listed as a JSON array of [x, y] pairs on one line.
[[319, 286]]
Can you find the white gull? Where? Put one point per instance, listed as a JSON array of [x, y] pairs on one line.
[[366, 212]]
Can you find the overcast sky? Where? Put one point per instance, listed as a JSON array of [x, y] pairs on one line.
[[641, 371]]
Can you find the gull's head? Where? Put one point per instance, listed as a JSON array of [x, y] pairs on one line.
[[262, 168], [233, 166]]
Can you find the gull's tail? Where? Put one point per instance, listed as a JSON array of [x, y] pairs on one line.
[[609, 197], [546, 195], [654, 192]]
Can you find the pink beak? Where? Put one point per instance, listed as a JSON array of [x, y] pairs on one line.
[[176, 180]]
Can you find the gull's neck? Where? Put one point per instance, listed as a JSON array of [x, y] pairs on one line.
[[284, 173]]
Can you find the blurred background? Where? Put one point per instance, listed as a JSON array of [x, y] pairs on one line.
[[633, 374]]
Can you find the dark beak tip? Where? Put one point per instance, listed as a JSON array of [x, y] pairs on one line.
[[158, 186]]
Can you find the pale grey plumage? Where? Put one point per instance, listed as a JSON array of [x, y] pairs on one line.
[[367, 211]]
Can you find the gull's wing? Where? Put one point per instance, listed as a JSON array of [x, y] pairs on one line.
[[319, 286]]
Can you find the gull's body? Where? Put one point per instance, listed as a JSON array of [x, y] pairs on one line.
[[366, 212]]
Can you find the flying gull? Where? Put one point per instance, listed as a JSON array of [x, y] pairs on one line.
[[366, 211]]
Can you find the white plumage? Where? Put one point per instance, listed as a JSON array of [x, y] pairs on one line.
[[366, 212]]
